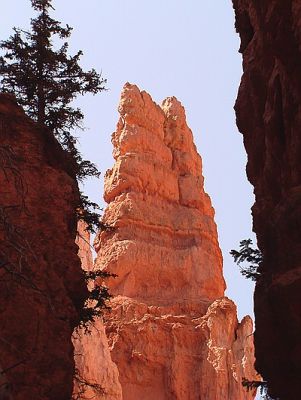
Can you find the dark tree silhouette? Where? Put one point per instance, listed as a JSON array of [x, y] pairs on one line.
[[46, 80], [254, 385], [248, 254]]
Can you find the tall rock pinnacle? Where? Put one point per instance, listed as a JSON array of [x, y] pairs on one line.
[[165, 235], [171, 333]]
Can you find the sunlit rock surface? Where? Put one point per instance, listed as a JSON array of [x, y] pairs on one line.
[[164, 247], [171, 332]]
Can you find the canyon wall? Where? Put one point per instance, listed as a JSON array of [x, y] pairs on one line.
[[42, 288], [268, 112], [171, 332]]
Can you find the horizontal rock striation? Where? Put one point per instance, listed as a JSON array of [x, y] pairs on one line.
[[269, 116], [171, 332], [164, 234]]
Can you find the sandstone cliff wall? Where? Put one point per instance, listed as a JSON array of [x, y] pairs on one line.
[[171, 332], [41, 283], [269, 116]]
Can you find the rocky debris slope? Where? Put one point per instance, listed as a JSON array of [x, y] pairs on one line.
[[42, 288], [171, 332], [268, 112]]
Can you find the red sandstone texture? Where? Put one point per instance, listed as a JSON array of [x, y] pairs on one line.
[[164, 353], [269, 116], [165, 236], [41, 283], [171, 332]]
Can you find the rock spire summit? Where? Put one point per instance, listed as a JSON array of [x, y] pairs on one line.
[[164, 233]]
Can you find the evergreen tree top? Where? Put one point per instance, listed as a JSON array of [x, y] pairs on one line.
[[41, 5], [45, 80]]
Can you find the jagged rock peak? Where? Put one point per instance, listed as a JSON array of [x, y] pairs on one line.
[[164, 233]]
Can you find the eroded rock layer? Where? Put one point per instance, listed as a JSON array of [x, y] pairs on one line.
[[42, 287], [268, 112], [165, 354], [164, 234], [171, 332]]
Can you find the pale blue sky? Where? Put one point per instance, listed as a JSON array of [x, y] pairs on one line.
[[169, 47]]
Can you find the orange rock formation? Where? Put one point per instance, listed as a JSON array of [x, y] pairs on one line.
[[171, 332], [165, 247]]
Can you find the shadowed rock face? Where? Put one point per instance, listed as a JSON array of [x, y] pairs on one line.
[[41, 283], [171, 333], [269, 116]]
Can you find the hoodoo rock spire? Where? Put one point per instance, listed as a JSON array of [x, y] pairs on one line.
[[171, 333]]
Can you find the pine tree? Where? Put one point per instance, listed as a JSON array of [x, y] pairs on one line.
[[248, 254], [45, 81]]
